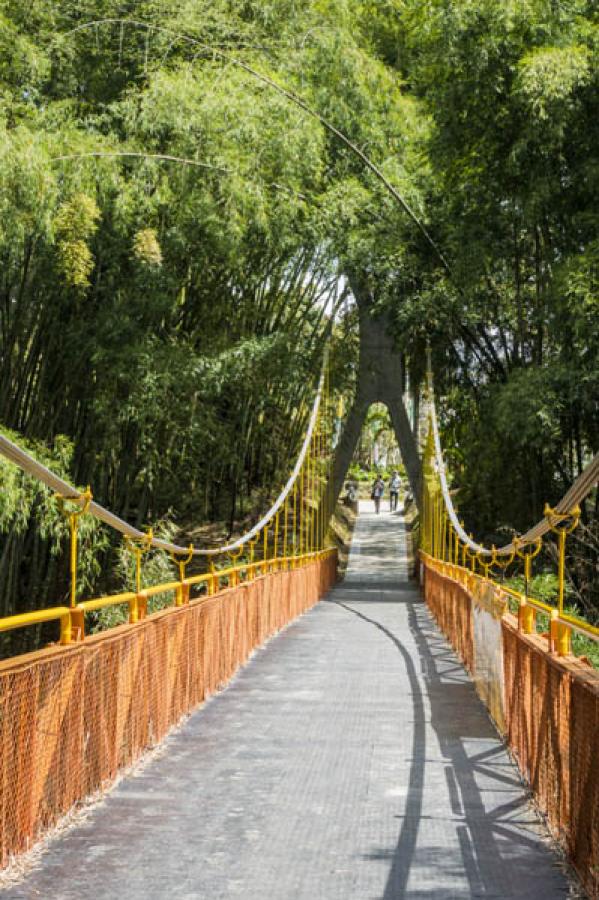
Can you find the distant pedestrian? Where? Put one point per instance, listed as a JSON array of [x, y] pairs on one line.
[[378, 489], [394, 486], [351, 494]]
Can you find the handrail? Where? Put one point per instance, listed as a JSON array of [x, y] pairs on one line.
[[442, 533], [563, 619], [71, 618], [38, 617]]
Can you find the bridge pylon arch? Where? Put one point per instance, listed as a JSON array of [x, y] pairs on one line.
[[380, 380]]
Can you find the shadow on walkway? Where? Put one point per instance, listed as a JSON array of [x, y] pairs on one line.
[[498, 859]]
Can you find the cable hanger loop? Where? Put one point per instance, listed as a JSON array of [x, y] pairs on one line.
[[79, 506], [139, 547]]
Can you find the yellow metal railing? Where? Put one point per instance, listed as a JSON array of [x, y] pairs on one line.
[[295, 533], [72, 619], [442, 547]]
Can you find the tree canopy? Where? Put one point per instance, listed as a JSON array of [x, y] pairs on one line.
[[178, 239]]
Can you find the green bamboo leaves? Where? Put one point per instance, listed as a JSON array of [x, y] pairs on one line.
[[75, 223]]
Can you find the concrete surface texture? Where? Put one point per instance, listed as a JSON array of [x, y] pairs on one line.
[[350, 758]]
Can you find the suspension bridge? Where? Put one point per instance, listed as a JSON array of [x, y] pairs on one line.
[[257, 727], [392, 741]]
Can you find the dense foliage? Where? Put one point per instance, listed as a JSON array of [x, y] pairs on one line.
[[164, 319]]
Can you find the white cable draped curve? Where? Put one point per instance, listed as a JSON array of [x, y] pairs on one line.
[[585, 482], [28, 464]]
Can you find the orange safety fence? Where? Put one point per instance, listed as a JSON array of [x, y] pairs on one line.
[[450, 605], [71, 717], [551, 714]]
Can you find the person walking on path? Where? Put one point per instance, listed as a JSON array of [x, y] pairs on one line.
[[378, 489], [394, 486]]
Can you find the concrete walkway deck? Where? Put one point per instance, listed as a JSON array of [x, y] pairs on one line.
[[349, 759]]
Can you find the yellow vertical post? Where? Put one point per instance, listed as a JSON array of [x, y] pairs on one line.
[[182, 593], [307, 504], [561, 569], [295, 520], [252, 543], [443, 532], [528, 555], [428, 505], [276, 539], [316, 522], [313, 489], [285, 527], [321, 483], [83, 501], [137, 553], [321, 455], [301, 507], [562, 632], [233, 557], [331, 487], [73, 559], [309, 495], [265, 550], [431, 513], [429, 522], [213, 584]]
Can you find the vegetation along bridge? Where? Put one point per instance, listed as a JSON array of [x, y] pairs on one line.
[[254, 257]]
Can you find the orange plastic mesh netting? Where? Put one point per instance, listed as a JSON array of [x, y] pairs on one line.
[[551, 708], [72, 717], [552, 715], [452, 608]]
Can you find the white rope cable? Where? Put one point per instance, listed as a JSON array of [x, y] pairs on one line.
[[28, 464], [288, 487], [585, 483]]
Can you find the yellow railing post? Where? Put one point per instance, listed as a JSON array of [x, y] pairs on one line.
[[213, 584], [505, 563], [265, 549], [528, 557], [65, 630], [285, 527], [74, 514], [311, 498], [554, 518], [526, 616], [139, 546], [484, 564], [443, 532], [276, 540], [472, 557], [301, 516], [182, 593], [234, 577], [295, 523]]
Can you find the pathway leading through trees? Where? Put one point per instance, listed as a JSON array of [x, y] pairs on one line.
[[350, 758]]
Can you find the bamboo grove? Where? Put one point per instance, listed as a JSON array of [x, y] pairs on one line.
[[178, 241]]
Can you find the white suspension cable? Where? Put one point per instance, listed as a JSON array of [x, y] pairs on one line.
[[28, 464], [585, 483]]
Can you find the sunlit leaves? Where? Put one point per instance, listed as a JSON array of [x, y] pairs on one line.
[[550, 76]]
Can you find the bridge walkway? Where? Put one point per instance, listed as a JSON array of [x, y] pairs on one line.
[[350, 758]]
